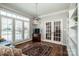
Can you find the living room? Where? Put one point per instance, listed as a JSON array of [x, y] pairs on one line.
[[40, 29]]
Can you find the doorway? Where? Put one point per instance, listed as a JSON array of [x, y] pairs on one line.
[[53, 31]]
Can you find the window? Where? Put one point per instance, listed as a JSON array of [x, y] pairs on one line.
[[26, 30], [9, 14], [3, 12], [18, 30], [6, 31]]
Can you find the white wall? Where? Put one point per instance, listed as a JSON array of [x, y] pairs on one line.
[[72, 36], [78, 30], [54, 16]]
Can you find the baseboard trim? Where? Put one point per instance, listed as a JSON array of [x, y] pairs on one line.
[[53, 42], [17, 43]]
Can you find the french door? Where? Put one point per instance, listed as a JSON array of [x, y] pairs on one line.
[[53, 31]]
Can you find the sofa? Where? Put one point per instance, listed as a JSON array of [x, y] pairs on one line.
[[8, 51]]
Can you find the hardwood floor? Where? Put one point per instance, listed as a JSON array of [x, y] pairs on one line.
[[58, 50]]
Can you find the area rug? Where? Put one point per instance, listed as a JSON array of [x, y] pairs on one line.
[[37, 50]]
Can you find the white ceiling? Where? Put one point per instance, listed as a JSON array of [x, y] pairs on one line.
[[43, 8]]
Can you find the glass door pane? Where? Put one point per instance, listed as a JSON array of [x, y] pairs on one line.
[[18, 30], [6, 31], [26, 30], [48, 30], [57, 31]]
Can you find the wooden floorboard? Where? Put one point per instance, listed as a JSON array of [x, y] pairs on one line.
[[58, 50]]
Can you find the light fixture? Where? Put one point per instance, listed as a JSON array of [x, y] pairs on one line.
[[36, 18]]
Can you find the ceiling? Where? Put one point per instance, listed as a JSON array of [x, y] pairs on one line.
[[43, 8]]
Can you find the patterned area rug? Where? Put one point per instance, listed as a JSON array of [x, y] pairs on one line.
[[37, 50]]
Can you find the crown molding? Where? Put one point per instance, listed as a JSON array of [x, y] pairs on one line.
[[15, 11], [55, 13]]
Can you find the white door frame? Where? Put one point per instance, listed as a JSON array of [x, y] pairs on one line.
[[52, 31]]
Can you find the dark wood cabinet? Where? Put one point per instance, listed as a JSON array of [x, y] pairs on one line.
[[36, 37]]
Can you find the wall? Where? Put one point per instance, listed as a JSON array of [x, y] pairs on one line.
[[78, 29], [54, 16], [72, 36]]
